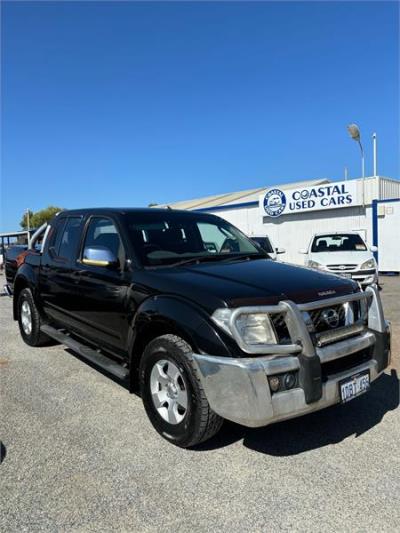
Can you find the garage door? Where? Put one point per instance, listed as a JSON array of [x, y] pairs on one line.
[[386, 234]]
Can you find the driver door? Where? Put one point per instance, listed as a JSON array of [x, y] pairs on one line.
[[103, 310]]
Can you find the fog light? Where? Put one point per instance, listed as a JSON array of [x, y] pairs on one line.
[[289, 381], [274, 383]]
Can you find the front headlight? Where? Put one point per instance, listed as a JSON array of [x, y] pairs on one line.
[[253, 329], [368, 264], [315, 264]]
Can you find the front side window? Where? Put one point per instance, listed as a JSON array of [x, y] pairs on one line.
[[166, 238], [346, 242], [102, 233]]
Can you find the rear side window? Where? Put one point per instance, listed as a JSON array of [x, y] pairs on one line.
[[56, 234], [67, 238]]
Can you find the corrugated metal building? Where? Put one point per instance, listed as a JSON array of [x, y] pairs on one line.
[[291, 213]]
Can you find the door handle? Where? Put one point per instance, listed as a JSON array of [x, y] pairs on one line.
[[77, 274]]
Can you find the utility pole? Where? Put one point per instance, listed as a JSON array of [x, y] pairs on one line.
[[29, 227]]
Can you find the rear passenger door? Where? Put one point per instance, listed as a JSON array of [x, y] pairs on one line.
[[58, 277], [102, 309]]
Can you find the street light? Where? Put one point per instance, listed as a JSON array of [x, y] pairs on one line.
[[374, 154], [354, 132]]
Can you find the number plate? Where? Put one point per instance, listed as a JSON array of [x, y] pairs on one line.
[[345, 275], [354, 386]]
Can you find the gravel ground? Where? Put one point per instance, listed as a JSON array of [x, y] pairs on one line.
[[80, 455]]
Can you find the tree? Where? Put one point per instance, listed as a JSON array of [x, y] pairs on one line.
[[40, 217]]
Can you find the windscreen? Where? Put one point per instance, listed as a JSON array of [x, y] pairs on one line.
[[346, 242], [167, 238]]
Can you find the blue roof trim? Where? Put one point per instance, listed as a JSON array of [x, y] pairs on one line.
[[223, 207], [388, 200], [256, 204]]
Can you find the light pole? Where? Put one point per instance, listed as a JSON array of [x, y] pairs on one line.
[[375, 156], [354, 132]]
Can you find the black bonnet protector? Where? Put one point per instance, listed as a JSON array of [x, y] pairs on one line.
[[266, 282]]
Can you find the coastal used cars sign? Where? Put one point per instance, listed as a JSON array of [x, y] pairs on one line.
[[278, 202]]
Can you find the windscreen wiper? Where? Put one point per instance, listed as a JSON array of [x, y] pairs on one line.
[[192, 260], [245, 257], [220, 258]]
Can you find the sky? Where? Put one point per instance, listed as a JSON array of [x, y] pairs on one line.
[[129, 103]]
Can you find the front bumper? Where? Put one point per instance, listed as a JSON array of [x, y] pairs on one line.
[[238, 388]]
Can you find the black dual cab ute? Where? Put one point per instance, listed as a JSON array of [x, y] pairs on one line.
[[184, 307]]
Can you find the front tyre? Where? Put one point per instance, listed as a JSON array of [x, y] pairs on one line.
[[29, 320], [172, 393]]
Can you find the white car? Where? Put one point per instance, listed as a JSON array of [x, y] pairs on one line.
[[265, 243], [345, 254]]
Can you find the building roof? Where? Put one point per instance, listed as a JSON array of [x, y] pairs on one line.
[[232, 198]]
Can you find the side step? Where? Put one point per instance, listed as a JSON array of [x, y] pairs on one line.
[[7, 290], [87, 353]]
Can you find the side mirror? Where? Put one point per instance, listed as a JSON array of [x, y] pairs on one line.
[[373, 248], [99, 256], [303, 251], [280, 250]]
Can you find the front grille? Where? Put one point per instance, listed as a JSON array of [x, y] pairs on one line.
[[334, 317], [342, 266], [323, 321], [328, 318], [345, 363]]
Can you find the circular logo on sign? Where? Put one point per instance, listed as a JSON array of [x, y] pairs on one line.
[[274, 202]]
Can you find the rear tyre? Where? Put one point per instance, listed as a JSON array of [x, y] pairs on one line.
[[172, 393], [29, 320]]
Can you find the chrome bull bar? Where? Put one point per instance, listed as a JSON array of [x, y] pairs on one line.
[[238, 388], [301, 341]]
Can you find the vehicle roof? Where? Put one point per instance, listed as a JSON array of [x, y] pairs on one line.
[[350, 232], [130, 210]]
